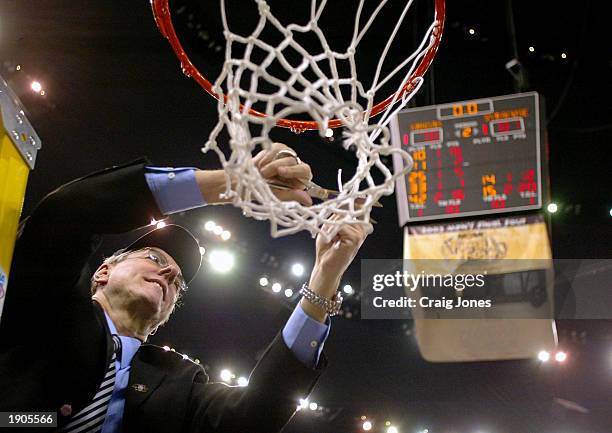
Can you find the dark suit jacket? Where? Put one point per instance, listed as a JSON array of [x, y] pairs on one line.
[[55, 343]]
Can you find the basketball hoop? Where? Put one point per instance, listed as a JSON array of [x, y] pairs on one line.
[[311, 91], [163, 18]]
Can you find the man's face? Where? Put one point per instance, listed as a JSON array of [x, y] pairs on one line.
[[146, 281]]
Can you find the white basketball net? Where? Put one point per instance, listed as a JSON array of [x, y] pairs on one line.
[[321, 100]]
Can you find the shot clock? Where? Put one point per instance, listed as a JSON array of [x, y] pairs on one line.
[[471, 158]]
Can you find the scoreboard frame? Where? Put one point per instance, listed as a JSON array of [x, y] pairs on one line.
[[465, 111]]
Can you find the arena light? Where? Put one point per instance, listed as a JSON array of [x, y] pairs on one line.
[[288, 293], [560, 356], [160, 225], [552, 207], [392, 429], [563, 56], [297, 269], [313, 406], [263, 281], [367, 426], [531, 49], [225, 235], [276, 287], [36, 86], [348, 289], [202, 251], [209, 226], [226, 375], [166, 348], [611, 211], [217, 230], [221, 261], [242, 381], [329, 133], [543, 356], [303, 403], [472, 32]]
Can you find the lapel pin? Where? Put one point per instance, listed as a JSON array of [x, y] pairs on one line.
[[139, 387]]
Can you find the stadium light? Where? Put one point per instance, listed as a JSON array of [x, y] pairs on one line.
[[36, 86], [263, 281], [297, 269], [392, 429], [221, 261], [242, 381], [226, 375], [348, 289], [560, 356], [276, 287], [313, 406], [367, 425], [543, 356], [209, 226], [160, 225], [225, 235], [552, 207]]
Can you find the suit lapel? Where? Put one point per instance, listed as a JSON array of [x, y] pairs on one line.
[[145, 377]]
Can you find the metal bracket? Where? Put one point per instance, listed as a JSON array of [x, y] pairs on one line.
[[17, 126]]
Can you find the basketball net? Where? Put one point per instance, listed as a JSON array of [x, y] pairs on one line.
[[322, 99]]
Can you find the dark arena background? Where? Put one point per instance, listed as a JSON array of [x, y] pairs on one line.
[[110, 90]]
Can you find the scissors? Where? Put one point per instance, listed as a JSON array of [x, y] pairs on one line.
[[315, 191], [311, 188]]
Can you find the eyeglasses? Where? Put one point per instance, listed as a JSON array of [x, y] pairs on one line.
[[159, 259]]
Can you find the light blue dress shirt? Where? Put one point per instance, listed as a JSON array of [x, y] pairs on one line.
[[176, 190]]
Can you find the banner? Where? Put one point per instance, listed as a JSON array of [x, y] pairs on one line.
[[512, 246]]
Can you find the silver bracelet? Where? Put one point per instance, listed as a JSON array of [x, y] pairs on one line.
[[331, 306]]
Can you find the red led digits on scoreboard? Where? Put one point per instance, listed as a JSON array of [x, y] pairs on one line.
[[425, 136], [501, 127]]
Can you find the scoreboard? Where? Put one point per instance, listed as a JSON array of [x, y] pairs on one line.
[[471, 158]]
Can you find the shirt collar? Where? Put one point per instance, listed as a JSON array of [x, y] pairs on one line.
[[129, 345]]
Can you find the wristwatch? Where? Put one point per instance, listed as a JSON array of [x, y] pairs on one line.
[[331, 306]]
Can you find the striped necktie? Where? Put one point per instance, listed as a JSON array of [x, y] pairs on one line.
[[91, 418]]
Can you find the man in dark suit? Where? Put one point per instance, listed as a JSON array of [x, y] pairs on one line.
[[85, 356]]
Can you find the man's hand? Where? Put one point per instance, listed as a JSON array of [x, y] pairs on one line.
[[287, 171], [332, 260]]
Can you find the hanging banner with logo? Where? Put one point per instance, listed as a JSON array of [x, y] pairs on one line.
[[522, 237], [518, 323]]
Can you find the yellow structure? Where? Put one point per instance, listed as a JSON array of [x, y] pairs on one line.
[[19, 145]]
